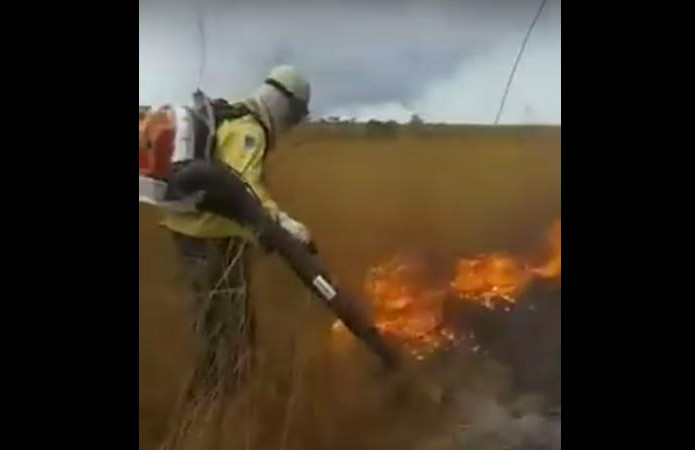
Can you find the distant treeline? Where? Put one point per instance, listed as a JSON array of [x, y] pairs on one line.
[[414, 120], [336, 127]]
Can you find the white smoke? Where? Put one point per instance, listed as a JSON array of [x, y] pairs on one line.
[[482, 422], [472, 93], [488, 421]]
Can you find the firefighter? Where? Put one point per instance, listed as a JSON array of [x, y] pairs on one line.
[[214, 249]]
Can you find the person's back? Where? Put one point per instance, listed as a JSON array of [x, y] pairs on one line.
[[241, 145]]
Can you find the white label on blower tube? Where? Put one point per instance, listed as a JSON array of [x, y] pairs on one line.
[[324, 287]]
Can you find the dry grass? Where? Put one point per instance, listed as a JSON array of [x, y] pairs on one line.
[[364, 198]]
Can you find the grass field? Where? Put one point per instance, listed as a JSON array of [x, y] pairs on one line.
[[366, 194]]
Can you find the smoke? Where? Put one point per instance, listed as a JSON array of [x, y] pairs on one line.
[[485, 423], [443, 60], [472, 94]]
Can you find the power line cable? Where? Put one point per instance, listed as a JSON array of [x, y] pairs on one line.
[[516, 61]]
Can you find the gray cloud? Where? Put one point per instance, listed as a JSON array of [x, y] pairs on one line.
[[445, 60]]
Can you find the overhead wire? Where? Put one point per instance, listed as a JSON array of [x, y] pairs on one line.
[[203, 43], [518, 58]]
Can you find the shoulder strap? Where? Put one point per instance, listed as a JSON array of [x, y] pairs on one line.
[[204, 125], [229, 111], [209, 114]]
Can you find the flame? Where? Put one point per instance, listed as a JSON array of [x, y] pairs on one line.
[[490, 277], [409, 305], [551, 268], [500, 276]]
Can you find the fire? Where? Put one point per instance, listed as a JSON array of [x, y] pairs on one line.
[[490, 277], [551, 268], [499, 276], [409, 305]]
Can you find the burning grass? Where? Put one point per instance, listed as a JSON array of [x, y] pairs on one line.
[[409, 302], [462, 190]]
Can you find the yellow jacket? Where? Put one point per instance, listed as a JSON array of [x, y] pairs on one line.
[[241, 144]]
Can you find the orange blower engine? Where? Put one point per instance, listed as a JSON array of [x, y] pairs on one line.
[[170, 137], [157, 131]]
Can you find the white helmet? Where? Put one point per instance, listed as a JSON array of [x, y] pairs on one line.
[[292, 83]]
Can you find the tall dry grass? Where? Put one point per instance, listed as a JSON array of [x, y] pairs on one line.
[[364, 197]]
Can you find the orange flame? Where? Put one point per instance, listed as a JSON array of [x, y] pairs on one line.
[[551, 268], [501, 276], [409, 306], [490, 277]]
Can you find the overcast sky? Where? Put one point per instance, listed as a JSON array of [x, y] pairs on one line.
[[446, 60]]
